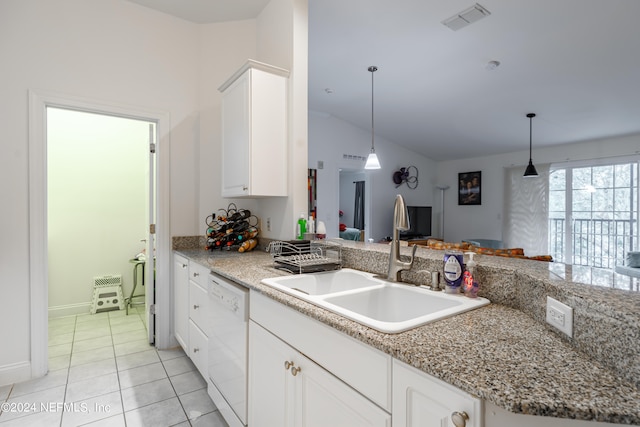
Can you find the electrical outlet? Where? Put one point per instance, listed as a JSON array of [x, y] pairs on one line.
[[560, 316], [268, 223]]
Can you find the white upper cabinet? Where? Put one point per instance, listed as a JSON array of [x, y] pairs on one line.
[[254, 132]]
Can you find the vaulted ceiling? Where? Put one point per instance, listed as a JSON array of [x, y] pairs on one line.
[[575, 63]]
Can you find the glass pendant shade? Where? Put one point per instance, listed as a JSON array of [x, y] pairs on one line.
[[372, 161], [531, 171]]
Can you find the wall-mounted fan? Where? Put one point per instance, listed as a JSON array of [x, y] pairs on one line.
[[408, 175]]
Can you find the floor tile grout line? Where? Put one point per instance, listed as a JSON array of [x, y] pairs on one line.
[[66, 384], [124, 416], [174, 390]]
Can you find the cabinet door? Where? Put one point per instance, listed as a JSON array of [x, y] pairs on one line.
[[236, 137], [323, 400], [421, 400], [198, 348], [288, 389], [270, 382], [181, 300]]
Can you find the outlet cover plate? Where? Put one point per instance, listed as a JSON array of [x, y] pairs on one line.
[[560, 316]]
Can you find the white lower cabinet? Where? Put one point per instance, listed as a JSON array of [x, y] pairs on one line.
[[288, 389], [421, 400], [181, 300], [198, 348]]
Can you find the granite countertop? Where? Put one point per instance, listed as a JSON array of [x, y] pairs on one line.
[[498, 353]]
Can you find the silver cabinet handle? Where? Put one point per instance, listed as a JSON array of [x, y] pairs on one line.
[[459, 418], [196, 274], [196, 349], [184, 265], [195, 307]]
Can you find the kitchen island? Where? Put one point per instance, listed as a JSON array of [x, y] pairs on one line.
[[502, 353]]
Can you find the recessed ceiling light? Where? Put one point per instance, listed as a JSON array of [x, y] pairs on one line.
[[492, 65], [328, 90]]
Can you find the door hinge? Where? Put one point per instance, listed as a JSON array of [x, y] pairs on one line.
[[152, 147], [152, 309], [152, 229]]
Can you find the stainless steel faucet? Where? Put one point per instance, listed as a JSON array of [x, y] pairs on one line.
[[400, 223]]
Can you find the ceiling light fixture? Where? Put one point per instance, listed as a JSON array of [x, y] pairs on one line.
[[531, 171], [372, 160]]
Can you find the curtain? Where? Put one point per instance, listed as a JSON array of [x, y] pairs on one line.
[[526, 210], [358, 210]]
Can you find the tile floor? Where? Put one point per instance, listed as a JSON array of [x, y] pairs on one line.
[[102, 372]]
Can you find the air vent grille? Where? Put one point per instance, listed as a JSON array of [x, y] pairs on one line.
[[466, 17], [353, 157]]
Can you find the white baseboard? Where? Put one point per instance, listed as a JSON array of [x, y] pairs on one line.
[[15, 373], [69, 309]]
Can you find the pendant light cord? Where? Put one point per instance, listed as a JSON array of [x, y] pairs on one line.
[[530, 136], [372, 69], [530, 116]]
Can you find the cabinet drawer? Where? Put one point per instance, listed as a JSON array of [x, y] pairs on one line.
[[362, 367], [198, 348], [199, 274], [198, 305]]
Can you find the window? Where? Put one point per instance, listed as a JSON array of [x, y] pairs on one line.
[[593, 213]]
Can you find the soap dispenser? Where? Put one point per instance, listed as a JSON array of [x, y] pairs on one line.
[[302, 226], [470, 285]]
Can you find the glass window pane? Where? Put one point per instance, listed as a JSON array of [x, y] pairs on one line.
[[557, 201], [581, 201], [623, 175], [581, 178], [602, 176], [602, 200], [622, 199], [557, 180]]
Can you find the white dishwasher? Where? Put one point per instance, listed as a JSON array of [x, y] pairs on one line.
[[228, 321]]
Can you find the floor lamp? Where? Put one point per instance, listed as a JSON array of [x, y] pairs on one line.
[[442, 188]]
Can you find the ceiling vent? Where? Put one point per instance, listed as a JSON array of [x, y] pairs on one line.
[[466, 17]]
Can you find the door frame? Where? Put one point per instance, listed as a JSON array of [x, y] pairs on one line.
[[38, 256]]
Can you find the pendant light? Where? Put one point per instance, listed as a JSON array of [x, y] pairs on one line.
[[531, 171], [372, 160]]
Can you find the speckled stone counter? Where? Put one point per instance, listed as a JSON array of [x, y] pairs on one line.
[[503, 352]]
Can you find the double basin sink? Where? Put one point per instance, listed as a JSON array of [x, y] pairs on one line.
[[374, 302]]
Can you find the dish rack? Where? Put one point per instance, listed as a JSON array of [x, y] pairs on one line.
[[306, 256]]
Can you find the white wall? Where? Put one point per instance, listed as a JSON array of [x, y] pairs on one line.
[[485, 221], [111, 51], [330, 138], [282, 33], [219, 59], [97, 196], [269, 38], [117, 52]]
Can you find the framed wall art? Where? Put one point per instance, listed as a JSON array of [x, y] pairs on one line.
[[470, 188]]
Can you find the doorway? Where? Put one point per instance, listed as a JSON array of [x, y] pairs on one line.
[[39, 104], [98, 176], [354, 204]]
